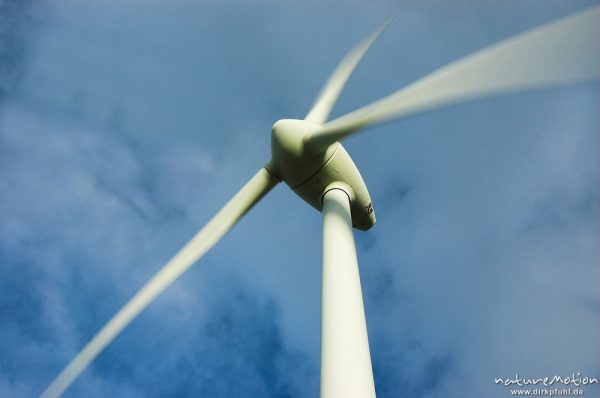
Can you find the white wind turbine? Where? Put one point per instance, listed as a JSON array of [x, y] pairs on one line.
[[308, 157]]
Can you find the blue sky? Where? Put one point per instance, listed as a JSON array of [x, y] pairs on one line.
[[124, 127]]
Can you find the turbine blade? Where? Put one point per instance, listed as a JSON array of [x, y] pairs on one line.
[[335, 84], [560, 52], [208, 236]]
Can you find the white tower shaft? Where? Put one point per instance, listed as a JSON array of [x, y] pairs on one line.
[[345, 359]]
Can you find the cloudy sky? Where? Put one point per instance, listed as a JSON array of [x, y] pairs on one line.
[[125, 125]]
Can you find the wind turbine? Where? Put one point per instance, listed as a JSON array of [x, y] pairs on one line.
[[308, 157]]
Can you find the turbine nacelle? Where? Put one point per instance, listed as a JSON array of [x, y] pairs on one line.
[[310, 171]]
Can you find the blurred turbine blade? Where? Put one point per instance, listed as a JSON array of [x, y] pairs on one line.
[[560, 52], [208, 236], [336, 82]]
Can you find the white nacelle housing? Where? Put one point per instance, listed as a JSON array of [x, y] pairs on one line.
[[309, 172]]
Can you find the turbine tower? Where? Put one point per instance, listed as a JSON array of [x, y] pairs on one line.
[[307, 155]]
